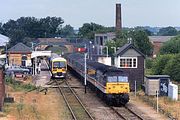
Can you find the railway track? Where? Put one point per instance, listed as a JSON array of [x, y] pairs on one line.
[[126, 113], [74, 104]]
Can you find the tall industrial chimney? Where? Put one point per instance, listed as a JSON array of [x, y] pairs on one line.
[[118, 17]]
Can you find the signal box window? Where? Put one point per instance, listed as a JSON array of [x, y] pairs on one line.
[[128, 62]]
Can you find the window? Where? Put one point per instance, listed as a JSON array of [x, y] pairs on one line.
[[112, 78], [122, 79], [128, 62], [23, 59], [117, 79], [59, 64]]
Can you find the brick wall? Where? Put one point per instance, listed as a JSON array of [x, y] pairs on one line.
[[136, 74], [16, 58]]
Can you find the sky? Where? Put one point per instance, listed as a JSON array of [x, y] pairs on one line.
[[153, 13]]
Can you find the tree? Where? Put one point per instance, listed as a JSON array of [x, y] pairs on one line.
[[88, 30], [168, 31], [145, 29], [32, 27], [51, 26], [138, 37], [141, 41], [119, 41], [110, 45], [159, 64], [16, 36], [172, 68], [67, 31], [1, 28], [171, 47]]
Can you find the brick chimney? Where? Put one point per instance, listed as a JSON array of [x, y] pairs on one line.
[[118, 17]]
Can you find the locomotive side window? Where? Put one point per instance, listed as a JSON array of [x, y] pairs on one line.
[[112, 78]]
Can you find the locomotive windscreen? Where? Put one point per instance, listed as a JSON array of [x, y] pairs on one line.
[[117, 79]]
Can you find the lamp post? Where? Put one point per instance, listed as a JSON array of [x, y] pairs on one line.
[[114, 49], [85, 70], [6, 54], [130, 40], [101, 49], [90, 51], [106, 51]]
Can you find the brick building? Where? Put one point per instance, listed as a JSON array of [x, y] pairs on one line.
[[157, 42], [131, 60], [20, 55]]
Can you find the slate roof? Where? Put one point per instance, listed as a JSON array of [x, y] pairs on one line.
[[157, 76], [160, 38], [20, 47], [127, 46]]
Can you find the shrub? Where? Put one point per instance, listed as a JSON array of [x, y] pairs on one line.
[[149, 63], [173, 68], [160, 62], [171, 47]]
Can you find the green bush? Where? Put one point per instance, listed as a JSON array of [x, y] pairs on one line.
[[173, 68], [149, 63], [167, 64], [18, 86], [171, 47], [160, 63]]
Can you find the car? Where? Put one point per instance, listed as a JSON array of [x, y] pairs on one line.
[[16, 69]]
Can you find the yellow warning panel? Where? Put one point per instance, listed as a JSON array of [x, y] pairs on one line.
[[91, 72]]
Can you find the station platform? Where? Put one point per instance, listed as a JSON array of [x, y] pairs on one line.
[[43, 77]]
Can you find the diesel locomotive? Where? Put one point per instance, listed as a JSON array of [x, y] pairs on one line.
[[110, 83]]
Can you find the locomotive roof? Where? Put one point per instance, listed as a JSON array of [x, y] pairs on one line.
[[102, 67], [96, 65], [58, 59], [76, 56], [55, 56]]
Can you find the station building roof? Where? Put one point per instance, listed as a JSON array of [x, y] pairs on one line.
[[20, 48]]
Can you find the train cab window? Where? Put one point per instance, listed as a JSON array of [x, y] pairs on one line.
[[59, 64], [122, 79], [112, 78]]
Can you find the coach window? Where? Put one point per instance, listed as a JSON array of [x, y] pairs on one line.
[[128, 62]]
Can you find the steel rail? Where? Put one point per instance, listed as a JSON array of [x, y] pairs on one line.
[[112, 108], [133, 113], [69, 107], [79, 101], [125, 118]]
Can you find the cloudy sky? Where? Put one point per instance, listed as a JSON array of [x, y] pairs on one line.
[[76, 12]]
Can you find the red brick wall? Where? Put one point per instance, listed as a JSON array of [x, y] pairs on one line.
[[2, 88]]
